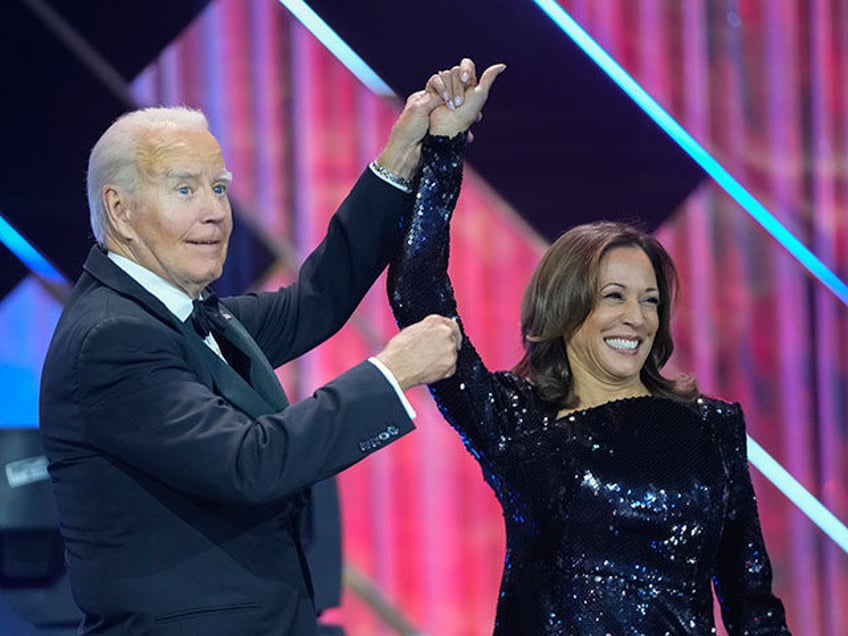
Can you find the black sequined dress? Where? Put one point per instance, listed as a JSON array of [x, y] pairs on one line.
[[617, 517]]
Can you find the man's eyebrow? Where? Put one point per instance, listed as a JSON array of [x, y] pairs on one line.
[[178, 175], [181, 174]]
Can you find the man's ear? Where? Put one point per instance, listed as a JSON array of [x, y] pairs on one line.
[[116, 201]]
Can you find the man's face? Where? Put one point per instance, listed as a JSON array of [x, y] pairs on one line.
[[180, 218]]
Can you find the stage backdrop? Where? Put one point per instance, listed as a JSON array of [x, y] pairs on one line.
[[762, 84]]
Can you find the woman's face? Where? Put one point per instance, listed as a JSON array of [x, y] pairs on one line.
[[608, 350]]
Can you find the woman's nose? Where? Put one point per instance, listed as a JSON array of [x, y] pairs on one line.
[[633, 312]]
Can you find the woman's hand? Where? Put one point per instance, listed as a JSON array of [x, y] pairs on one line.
[[463, 96]]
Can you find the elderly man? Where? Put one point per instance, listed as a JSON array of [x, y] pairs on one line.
[[178, 464]]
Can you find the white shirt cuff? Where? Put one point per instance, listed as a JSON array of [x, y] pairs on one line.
[[391, 378]]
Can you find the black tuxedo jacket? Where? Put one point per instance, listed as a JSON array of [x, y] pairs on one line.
[[178, 482]]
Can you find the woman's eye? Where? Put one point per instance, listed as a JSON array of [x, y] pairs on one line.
[[613, 295], [652, 300]]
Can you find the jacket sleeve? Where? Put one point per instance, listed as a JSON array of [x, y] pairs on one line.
[[418, 285], [333, 279], [743, 576], [144, 404]]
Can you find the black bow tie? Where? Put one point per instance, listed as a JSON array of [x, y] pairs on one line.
[[206, 316]]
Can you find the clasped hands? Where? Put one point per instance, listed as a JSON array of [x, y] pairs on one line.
[[451, 102], [459, 97]]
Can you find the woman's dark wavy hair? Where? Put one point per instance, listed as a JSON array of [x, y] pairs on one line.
[[563, 291]]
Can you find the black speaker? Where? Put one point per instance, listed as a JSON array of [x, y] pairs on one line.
[[31, 550], [35, 596]]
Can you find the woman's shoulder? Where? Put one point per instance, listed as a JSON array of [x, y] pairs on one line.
[[512, 379], [515, 386], [518, 395], [727, 422], [716, 408]]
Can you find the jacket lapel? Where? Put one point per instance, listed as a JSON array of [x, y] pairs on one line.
[[260, 372], [262, 395], [227, 382]]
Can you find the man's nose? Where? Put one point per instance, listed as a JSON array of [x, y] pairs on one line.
[[216, 207]]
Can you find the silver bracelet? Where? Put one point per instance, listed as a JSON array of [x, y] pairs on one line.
[[400, 182]]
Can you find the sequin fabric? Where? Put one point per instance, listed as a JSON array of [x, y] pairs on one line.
[[618, 517]]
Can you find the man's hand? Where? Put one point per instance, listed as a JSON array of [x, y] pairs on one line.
[[402, 152], [423, 352]]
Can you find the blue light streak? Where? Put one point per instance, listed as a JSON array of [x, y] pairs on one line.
[[797, 494], [770, 468], [27, 254], [721, 176], [338, 47]]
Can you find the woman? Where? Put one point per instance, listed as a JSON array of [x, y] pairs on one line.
[[624, 492]]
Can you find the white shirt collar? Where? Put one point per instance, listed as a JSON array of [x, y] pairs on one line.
[[175, 299]]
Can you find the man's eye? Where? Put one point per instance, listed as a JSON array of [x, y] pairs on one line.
[[219, 188], [184, 190]]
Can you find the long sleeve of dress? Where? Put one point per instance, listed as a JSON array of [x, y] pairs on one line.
[[418, 285], [743, 578]]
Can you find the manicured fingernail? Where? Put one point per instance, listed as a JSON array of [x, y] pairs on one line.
[[458, 100], [446, 96], [464, 76], [451, 106]]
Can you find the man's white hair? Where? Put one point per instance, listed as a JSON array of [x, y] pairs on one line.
[[113, 160]]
